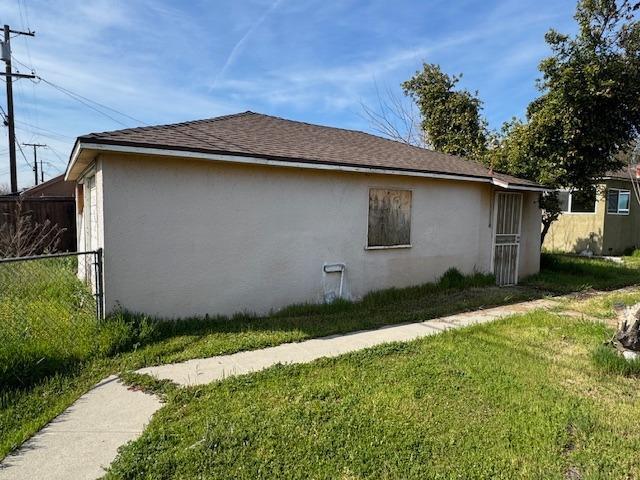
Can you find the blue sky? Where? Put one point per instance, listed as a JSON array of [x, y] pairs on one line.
[[311, 60]]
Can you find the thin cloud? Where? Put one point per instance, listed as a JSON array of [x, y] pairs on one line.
[[238, 47]]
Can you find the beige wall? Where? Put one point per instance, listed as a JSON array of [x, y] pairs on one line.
[[188, 237], [530, 239], [575, 232], [95, 170], [603, 233]]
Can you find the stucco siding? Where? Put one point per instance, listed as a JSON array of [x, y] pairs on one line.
[[576, 232], [621, 232], [601, 232], [188, 237], [97, 241], [529, 262]]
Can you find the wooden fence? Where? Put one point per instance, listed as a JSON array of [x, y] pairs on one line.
[[58, 210]]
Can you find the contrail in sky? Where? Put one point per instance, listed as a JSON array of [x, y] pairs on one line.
[[238, 47]]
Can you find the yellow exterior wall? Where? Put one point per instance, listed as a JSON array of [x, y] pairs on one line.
[[601, 232], [575, 232]]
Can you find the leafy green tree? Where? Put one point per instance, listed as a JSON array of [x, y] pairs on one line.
[[589, 107], [451, 119]]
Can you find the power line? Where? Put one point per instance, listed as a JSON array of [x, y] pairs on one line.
[[21, 96], [57, 154], [3, 113], [137, 120], [81, 99], [190, 126], [57, 168], [57, 134], [22, 153], [31, 69], [88, 103]]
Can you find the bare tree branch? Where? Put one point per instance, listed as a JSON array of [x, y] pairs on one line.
[[396, 118], [20, 236]]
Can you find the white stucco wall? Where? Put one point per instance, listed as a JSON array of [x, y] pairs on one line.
[[529, 262], [187, 237], [95, 171], [95, 239]]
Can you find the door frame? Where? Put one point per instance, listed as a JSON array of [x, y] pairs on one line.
[[494, 234]]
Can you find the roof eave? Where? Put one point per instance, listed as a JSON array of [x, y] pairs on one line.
[[73, 158], [79, 161]]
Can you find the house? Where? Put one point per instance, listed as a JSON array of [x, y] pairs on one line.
[[605, 221], [51, 201], [55, 187], [250, 212]]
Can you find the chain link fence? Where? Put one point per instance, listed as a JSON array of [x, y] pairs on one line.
[[50, 312]]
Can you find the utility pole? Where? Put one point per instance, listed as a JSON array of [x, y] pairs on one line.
[[35, 159], [6, 57]]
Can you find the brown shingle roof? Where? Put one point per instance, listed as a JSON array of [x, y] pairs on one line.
[[263, 136]]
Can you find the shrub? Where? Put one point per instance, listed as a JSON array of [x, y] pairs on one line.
[[452, 278]]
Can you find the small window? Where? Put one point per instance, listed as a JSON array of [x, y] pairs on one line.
[[618, 201], [583, 202], [577, 201], [389, 218]]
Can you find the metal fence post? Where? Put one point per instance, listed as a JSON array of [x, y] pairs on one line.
[[99, 286]]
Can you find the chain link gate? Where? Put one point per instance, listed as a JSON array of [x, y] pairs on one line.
[[47, 304], [25, 279]]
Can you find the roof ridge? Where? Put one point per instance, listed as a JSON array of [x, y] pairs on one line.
[[168, 125], [233, 141], [250, 112], [378, 137]]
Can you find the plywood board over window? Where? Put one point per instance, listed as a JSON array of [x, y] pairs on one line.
[[389, 218]]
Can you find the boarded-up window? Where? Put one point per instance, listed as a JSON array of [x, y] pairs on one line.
[[389, 218]]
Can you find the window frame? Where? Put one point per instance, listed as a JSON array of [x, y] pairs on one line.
[[570, 204], [366, 230], [618, 211]]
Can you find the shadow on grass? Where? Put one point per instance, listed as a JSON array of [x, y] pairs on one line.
[[569, 273], [453, 293]]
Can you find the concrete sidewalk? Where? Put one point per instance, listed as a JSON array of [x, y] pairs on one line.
[[206, 370], [84, 440]]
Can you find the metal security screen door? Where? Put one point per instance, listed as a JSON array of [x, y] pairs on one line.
[[506, 250]]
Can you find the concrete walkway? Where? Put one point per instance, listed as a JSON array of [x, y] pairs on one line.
[[206, 370], [84, 440], [86, 437]]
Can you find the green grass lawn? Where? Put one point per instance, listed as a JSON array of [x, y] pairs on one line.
[[30, 397], [518, 398], [47, 317], [567, 273]]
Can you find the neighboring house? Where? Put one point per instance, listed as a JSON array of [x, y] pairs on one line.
[[52, 200], [250, 212], [56, 187], [606, 222]]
